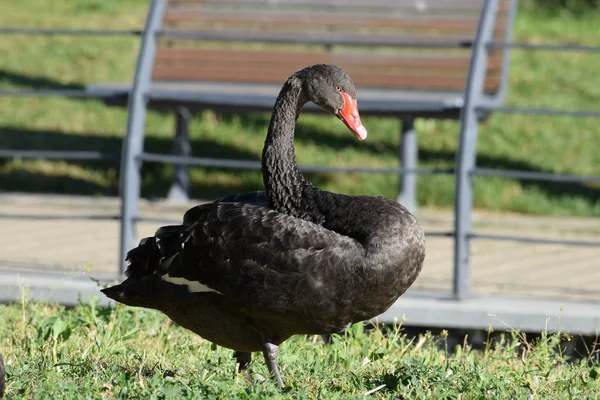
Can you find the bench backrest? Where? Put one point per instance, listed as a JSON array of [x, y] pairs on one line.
[[397, 44]]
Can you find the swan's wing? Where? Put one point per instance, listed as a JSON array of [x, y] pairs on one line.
[[254, 198], [257, 257]]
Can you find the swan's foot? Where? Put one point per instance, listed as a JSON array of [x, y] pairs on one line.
[[242, 360], [315, 338], [271, 351]]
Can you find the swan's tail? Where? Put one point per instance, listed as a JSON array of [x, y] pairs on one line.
[[140, 292], [146, 263]]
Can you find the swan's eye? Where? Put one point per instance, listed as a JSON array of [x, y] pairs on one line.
[[338, 88]]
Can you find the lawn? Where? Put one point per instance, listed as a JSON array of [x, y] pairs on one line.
[[90, 352], [532, 143]]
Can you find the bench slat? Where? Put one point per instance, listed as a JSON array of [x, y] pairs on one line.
[[444, 27], [320, 38], [424, 6], [330, 19], [288, 60], [360, 78]]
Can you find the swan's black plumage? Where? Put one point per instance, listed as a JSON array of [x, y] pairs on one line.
[[250, 270]]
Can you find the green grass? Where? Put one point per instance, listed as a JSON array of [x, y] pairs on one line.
[[532, 143], [90, 352]]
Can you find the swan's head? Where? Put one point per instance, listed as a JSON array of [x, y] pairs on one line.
[[329, 87]]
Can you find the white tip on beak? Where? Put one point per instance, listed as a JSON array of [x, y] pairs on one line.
[[361, 132]]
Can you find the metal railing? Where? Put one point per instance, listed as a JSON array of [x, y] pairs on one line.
[[466, 164]]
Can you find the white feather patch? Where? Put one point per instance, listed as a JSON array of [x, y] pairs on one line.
[[193, 286]]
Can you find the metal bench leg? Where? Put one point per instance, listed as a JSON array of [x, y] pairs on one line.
[[409, 156], [180, 188], [133, 144], [467, 152]]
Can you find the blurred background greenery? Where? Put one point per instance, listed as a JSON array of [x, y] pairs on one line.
[[564, 6]]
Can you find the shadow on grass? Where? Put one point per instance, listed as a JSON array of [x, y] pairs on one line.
[[157, 177], [260, 121], [588, 193], [427, 156], [34, 82]]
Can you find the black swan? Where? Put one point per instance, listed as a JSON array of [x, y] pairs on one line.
[[248, 271]]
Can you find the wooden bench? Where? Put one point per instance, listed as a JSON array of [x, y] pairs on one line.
[[408, 58]]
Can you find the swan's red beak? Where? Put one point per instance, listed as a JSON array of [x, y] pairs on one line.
[[349, 115]]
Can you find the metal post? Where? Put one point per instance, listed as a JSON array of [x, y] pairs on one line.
[[180, 188], [134, 140], [466, 154], [409, 157], [498, 98]]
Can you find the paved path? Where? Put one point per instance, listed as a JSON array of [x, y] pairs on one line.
[[499, 267]]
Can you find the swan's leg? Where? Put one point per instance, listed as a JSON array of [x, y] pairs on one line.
[[271, 351], [315, 338], [327, 338], [242, 359]]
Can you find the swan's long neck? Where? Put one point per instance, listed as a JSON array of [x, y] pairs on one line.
[[287, 189], [377, 223]]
